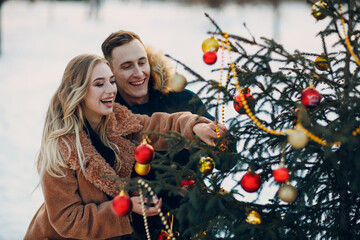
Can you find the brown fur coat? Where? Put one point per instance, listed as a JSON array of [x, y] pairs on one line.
[[78, 206]]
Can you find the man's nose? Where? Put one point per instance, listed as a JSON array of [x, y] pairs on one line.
[[138, 71]]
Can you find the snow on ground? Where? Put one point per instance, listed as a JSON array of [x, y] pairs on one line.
[[38, 40]]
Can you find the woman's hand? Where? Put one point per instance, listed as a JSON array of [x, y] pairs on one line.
[[207, 132], [151, 211]]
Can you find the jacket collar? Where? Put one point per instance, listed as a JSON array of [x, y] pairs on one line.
[[121, 123]]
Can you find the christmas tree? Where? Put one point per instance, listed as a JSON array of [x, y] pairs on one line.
[[297, 128]]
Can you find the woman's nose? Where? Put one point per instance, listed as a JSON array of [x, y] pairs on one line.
[[110, 88]]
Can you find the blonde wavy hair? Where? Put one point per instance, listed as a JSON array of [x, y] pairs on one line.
[[65, 116]]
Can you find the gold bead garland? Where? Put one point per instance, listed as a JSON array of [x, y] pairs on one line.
[[347, 41], [246, 106], [142, 183], [348, 45], [218, 96]]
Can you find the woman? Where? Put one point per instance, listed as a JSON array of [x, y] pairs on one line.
[[87, 135]]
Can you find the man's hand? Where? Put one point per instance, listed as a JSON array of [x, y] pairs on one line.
[[207, 132]]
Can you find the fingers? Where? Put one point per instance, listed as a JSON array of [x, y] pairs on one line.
[[149, 211], [207, 132]]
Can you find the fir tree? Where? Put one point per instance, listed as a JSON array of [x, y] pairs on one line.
[[325, 172]]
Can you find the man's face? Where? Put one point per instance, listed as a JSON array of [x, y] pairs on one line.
[[131, 68]]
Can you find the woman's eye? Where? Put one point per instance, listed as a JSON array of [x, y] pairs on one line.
[[99, 84]]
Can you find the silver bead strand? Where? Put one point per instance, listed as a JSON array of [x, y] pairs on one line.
[[164, 222]]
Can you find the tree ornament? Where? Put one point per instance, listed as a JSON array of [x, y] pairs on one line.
[[321, 63], [310, 97], [122, 204], [144, 153], [294, 116], [210, 57], [297, 137], [142, 169], [318, 10], [177, 82], [253, 218], [238, 105], [210, 44], [287, 193], [186, 183], [250, 182], [163, 236], [281, 174], [201, 236], [206, 165]]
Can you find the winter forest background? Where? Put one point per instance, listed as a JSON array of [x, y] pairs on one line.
[[39, 38]]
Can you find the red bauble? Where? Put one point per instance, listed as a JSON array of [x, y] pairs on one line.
[[209, 57], [185, 183], [249, 99], [122, 204], [144, 153], [310, 97], [281, 174], [250, 182], [162, 236]]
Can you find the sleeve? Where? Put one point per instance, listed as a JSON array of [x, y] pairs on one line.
[[181, 122], [71, 218]]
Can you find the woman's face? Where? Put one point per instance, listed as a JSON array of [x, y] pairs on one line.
[[99, 100]]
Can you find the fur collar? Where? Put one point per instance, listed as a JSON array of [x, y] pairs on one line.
[[161, 71], [122, 123]]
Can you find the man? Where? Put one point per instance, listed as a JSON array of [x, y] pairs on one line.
[[142, 78]]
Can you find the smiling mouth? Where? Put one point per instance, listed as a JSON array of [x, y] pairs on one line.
[[138, 83], [107, 101]]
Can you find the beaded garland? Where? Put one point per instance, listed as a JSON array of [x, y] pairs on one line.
[[233, 74], [143, 184]]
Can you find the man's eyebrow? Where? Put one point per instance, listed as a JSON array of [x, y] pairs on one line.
[[127, 62]]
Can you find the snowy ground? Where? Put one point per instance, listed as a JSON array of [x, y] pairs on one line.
[[38, 40]]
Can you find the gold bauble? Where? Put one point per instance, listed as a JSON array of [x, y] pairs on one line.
[[177, 82], [297, 138], [142, 169], [317, 10], [287, 193], [210, 44], [206, 165], [321, 64], [253, 217]]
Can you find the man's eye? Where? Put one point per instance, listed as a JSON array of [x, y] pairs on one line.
[[126, 66], [113, 82]]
